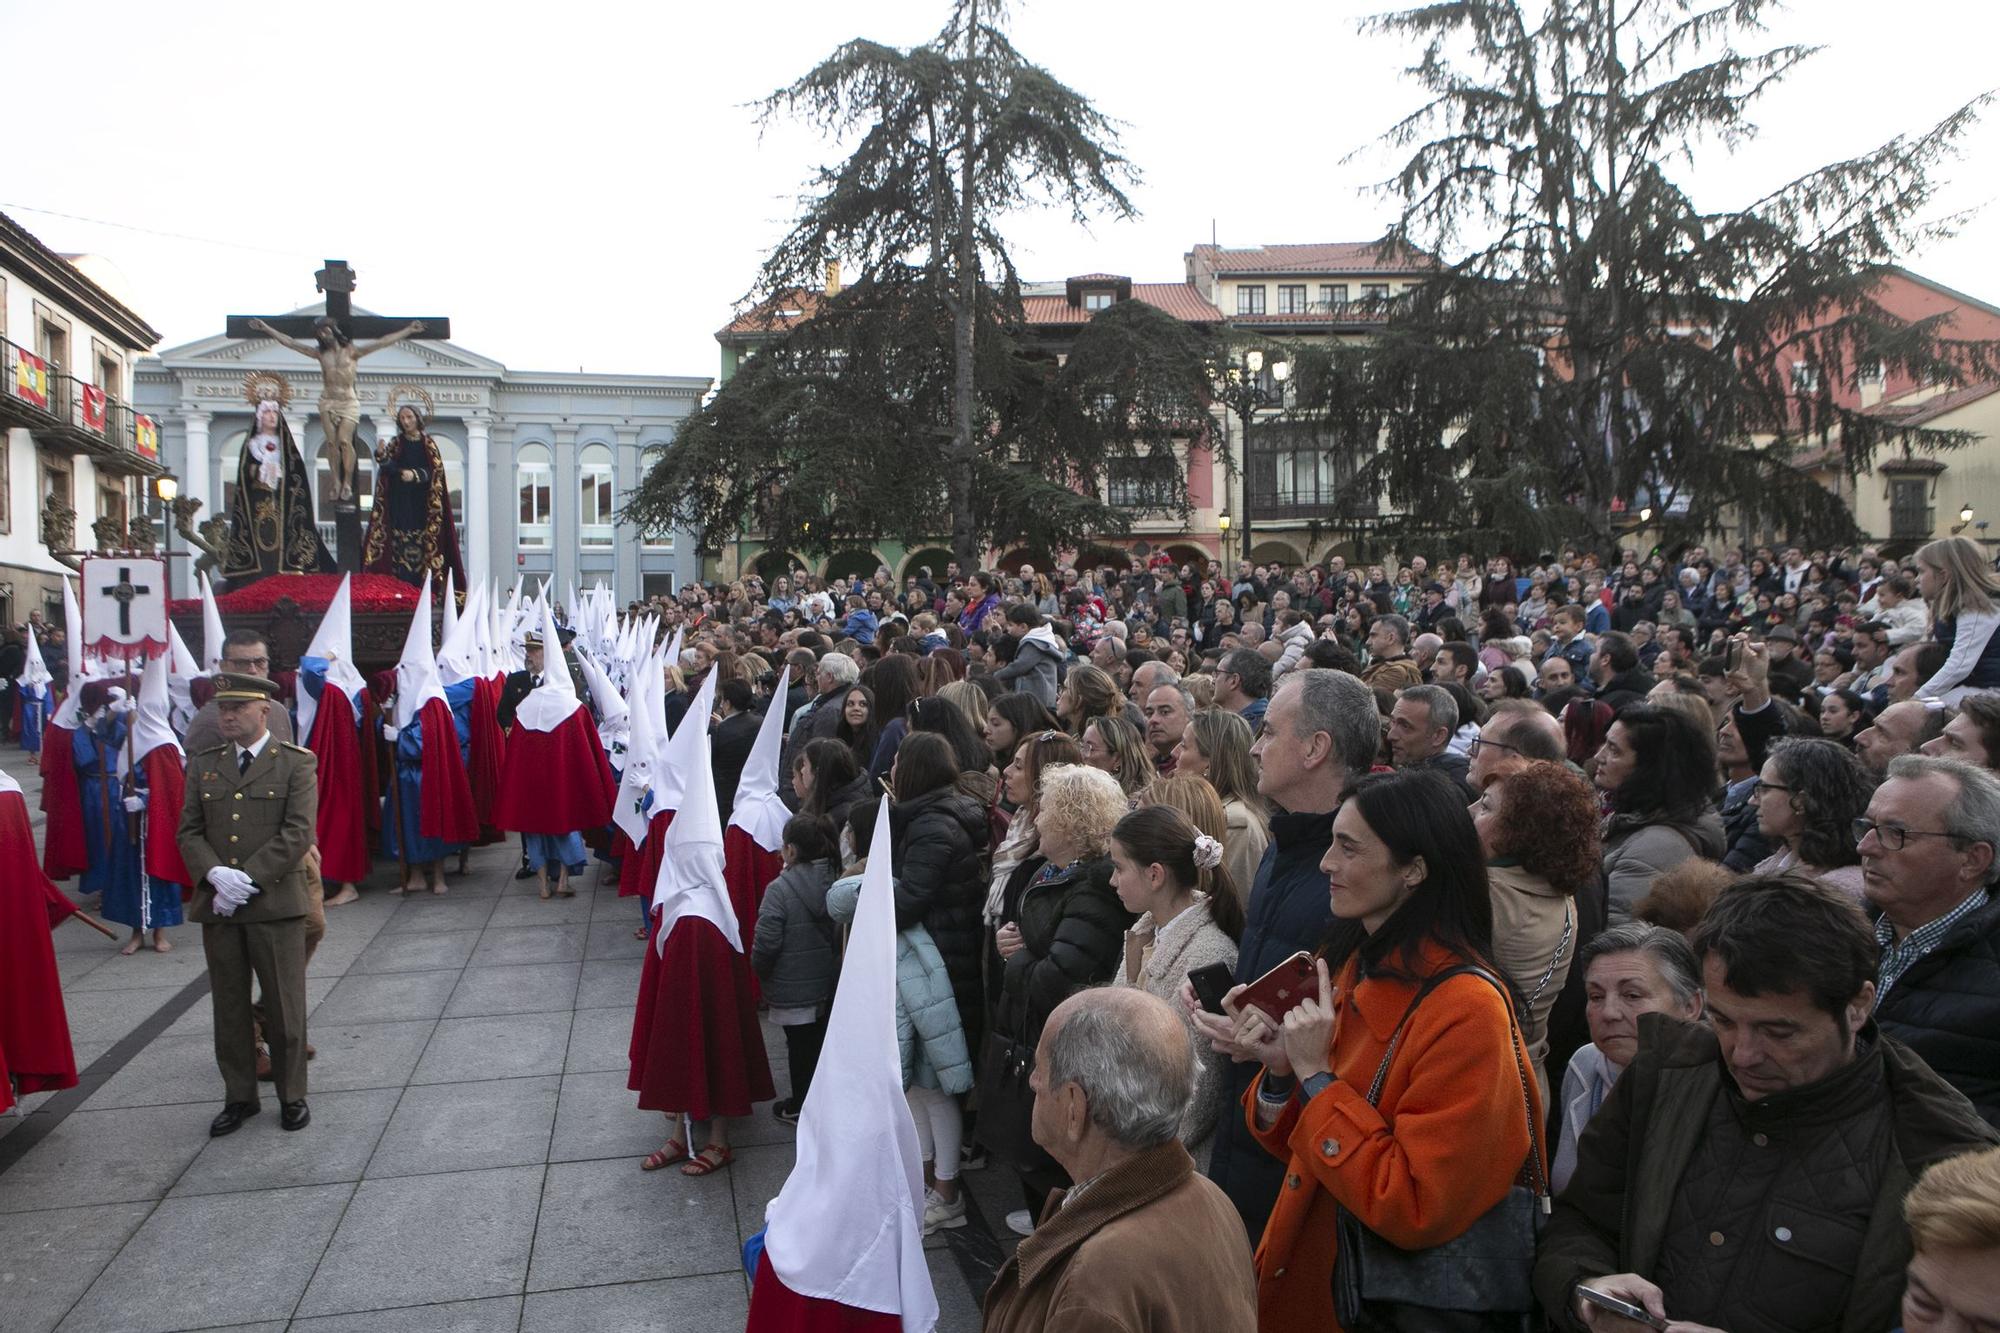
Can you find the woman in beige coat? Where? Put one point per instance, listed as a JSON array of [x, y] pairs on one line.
[[1539, 829], [1173, 876]]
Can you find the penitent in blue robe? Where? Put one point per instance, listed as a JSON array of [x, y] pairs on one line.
[[409, 779], [117, 864]]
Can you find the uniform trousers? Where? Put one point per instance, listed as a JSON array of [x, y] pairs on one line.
[[274, 952]]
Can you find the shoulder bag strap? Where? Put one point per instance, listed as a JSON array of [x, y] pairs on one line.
[[1431, 983]]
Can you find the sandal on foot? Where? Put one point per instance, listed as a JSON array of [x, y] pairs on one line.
[[712, 1158], [674, 1151]]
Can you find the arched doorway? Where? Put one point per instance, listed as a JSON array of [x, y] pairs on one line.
[[935, 557], [1284, 553], [772, 564], [853, 564]]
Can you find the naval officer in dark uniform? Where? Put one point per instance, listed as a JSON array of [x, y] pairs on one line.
[[247, 824]]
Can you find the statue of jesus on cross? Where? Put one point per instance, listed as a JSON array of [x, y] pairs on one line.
[[339, 409]]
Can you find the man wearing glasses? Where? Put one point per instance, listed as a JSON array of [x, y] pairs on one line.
[[1927, 863], [244, 653]]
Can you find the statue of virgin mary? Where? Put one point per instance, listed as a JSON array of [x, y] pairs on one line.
[[271, 528]]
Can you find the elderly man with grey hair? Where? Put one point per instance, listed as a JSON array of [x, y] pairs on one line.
[[836, 673], [1140, 1240], [1927, 863], [1420, 730]]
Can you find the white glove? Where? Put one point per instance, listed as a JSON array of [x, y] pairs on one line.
[[135, 802], [389, 731], [120, 702], [231, 885]]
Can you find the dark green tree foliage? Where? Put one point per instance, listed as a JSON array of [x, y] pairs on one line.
[[911, 404], [1594, 337], [835, 434]]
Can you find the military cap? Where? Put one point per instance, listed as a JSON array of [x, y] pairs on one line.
[[234, 686]]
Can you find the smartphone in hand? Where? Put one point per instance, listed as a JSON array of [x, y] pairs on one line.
[[1621, 1307], [1210, 984], [1284, 988]]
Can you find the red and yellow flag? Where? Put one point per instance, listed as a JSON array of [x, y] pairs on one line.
[[31, 378], [146, 436]]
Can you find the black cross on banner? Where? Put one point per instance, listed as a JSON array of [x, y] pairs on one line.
[[124, 590]]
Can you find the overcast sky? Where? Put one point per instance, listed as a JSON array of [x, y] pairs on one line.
[[582, 184]]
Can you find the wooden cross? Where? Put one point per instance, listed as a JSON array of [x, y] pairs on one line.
[[338, 281], [124, 591]]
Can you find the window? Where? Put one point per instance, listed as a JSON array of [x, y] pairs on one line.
[[1805, 377], [594, 483], [111, 504], [1374, 291], [1870, 373], [1097, 300], [1142, 483], [1250, 300], [51, 337], [1332, 295], [1291, 298], [656, 539], [536, 480], [110, 370]]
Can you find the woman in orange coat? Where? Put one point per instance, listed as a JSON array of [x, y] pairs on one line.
[[1451, 1132]]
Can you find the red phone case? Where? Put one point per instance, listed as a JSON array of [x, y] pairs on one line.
[[1284, 987]]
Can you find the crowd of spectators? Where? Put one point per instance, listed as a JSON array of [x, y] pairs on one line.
[[1653, 889]]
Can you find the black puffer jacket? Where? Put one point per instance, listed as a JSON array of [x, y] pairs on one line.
[[941, 879], [1072, 936], [1946, 1008]]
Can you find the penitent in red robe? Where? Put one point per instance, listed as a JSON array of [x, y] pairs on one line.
[[776, 1308], [489, 755], [64, 852], [696, 1045], [748, 870], [555, 782], [34, 1027], [166, 785], [344, 795]]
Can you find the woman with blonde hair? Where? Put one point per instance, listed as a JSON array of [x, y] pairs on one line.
[[1197, 800], [971, 701], [1216, 746], [1088, 692], [1963, 593], [1115, 746]]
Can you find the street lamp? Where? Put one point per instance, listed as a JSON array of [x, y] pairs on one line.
[[1244, 392], [1964, 519], [168, 488]]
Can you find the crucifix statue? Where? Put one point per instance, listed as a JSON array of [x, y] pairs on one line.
[[333, 345]]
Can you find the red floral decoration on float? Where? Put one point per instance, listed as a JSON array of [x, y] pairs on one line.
[[310, 592]]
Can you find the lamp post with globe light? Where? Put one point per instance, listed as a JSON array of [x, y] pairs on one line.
[[1243, 387]]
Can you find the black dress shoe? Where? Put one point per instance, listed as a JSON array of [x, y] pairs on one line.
[[525, 872], [294, 1115], [231, 1118]]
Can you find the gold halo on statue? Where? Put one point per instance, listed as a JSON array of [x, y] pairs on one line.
[[411, 393], [260, 385]]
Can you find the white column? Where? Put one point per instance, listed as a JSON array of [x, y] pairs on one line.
[[195, 483], [478, 512]]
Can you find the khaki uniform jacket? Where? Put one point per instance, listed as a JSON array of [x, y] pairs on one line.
[[261, 822], [1150, 1247]]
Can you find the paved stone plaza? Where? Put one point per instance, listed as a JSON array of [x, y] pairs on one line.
[[472, 1163]]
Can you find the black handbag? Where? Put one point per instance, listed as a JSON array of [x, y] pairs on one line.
[[1006, 1102], [1480, 1280]]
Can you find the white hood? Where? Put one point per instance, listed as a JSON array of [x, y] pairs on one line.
[[417, 680], [759, 810], [693, 880], [550, 703], [334, 641], [211, 628], [152, 722], [34, 671]]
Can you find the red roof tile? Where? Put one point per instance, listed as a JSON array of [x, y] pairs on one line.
[[1325, 257], [1175, 298], [1921, 413]]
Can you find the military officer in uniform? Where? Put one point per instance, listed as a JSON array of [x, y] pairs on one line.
[[247, 824]]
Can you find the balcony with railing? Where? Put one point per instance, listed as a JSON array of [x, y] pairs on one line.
[[70, 415]]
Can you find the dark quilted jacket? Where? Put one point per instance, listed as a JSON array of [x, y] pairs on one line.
[[1072, 936], [1784, 1214], [1946, 1008], [941, 878]]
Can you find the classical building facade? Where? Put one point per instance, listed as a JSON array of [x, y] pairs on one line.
[[538, 462], [68, 430]]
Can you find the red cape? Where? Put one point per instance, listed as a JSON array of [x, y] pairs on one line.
[[776, 1308], [489, 747], [748, 870], [166, 782], [63, 850], [555, 781], [444, 794], [343, 792], [34, 1027]]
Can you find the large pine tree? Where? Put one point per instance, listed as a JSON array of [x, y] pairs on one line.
[[915, 401], [1595, 340]]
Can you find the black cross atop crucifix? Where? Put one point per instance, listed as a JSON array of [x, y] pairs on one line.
[[124, 591], [337, 281]]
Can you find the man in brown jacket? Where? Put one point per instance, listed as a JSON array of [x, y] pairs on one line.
[[1390, 665], [1141, 1241]]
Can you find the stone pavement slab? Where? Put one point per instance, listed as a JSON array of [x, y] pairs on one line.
[[385, 997], [500, 1314], [416, 951], [600, 1039], [466, 1126], [417, 1240], [608, 1221], [501, 946], [213, 1260], [365, 1055], [345, 1128], [503, 1046], [49, 1258], [527, 988], [691, 1305], [120, 1156]]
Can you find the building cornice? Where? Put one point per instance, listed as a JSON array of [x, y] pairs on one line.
[[40, 264]]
